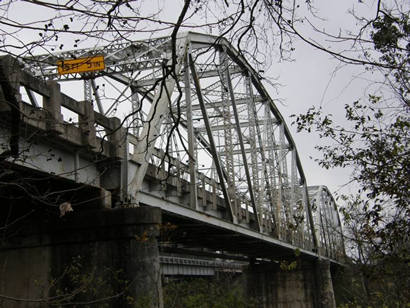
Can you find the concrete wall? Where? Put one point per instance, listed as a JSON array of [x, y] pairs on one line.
[[107, 258]]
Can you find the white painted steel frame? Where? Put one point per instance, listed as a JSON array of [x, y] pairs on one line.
[[253, 152]]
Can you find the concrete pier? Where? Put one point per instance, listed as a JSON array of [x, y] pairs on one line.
[[326, 292], [274, 286], [106, 258]]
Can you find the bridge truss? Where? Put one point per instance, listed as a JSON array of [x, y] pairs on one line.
[[205, 132], [327, 221]]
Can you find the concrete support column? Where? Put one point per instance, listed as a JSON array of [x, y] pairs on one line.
[[141, 260], [273, 287], [100, 258], [326, 293], [308, 284], [10, 101]]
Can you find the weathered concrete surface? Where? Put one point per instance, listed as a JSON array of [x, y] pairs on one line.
[[326, 294], [274, 287], [106, 257]]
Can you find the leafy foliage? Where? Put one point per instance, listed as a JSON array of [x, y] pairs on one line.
[[205, 293], [391, 38]]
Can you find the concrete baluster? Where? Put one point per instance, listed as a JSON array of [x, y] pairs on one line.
[[52, 105]]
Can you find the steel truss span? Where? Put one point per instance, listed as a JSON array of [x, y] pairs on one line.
[[207, 133], [327, 221]]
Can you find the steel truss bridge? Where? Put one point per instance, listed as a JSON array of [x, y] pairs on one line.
[[202, 140]]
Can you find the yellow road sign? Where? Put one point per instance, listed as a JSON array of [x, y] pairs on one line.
[[81, 65]]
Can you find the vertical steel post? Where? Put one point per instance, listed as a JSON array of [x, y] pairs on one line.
[[135, 108], [287, 186], [88, 95], [306, 222], [124, 170], [293, 193], [275, 170], [191, 137], [97, 96], [312, 224]]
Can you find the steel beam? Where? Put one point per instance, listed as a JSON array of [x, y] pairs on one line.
[[97, 96], [203, 74], [88, 96], [241, 124], [191, 137], [219, 104], [135, 109]]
